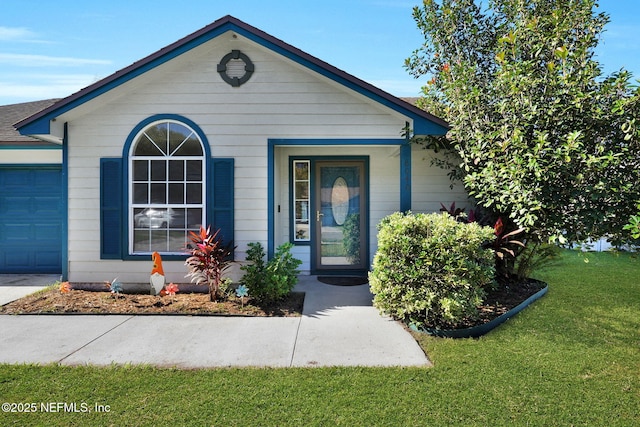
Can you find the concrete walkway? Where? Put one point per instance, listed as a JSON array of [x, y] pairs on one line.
[[339, 327]]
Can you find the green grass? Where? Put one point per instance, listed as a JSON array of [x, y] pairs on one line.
[[572, 358]]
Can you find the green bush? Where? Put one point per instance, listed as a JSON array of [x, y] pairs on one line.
[[274, 280], [430, 269]]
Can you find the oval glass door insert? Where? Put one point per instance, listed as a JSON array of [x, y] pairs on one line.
[[340, 200]]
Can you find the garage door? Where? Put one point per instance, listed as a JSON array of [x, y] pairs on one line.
[[31, 219]]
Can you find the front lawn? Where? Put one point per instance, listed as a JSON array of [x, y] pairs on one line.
[[572, 358]]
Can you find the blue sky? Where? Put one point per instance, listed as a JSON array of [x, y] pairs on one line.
[[51, 49]]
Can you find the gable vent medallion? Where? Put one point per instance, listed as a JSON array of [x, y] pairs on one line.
[[235, 68]]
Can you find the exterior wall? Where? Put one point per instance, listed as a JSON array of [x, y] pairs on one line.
[[282, 100], [431, 185], [384, 189], [30, 156]]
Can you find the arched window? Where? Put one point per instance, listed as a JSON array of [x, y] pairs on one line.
[[167, 187]]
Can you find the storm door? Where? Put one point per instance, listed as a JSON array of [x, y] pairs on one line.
[[340, 213]]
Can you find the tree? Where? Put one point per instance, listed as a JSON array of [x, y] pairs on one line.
[[543, 138]]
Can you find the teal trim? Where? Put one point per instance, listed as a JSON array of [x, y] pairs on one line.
[[65, 204], [405, 175], [125, 177], [112, 234], [340, 141], [271, 232], [220, 199]]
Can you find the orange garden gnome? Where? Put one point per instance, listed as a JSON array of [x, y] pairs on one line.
[[157, 274]]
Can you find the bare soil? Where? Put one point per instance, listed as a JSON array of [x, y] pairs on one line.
[[51, 301]]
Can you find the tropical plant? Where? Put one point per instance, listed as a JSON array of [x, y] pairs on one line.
[[273, 280], [633, 226], [540, 136], [209, 259]]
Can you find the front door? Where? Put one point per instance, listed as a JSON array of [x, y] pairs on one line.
[[340, 213]]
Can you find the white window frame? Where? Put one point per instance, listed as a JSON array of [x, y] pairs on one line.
[[131, 207]]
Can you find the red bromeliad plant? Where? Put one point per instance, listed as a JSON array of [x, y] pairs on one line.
[[506, 247], [210, 257]]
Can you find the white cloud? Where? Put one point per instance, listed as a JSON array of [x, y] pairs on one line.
[[47, 86], [16, 33], [22, 60]]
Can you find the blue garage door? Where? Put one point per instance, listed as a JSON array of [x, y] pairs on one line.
[[31, 219]]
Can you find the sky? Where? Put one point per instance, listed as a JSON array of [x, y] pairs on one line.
[[51, 49]]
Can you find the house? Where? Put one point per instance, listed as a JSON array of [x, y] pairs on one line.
[[231, 127], [31, 214]]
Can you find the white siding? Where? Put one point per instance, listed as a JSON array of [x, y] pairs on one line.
[[281, 100], [30, 156], [431, 184]]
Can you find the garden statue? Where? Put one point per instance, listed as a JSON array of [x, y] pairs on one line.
[[157, 274]]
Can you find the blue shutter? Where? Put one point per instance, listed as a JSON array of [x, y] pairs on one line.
[[111, 229], [220, 200]]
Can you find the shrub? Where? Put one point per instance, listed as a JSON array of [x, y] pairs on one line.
[[430, 269], [274, 280]]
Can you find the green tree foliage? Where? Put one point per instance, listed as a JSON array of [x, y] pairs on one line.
[[544, 138]]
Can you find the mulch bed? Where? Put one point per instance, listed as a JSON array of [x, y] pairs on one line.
[[499, 301], [52, 301]]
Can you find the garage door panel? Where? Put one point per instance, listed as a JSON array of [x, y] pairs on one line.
[[31, 219]]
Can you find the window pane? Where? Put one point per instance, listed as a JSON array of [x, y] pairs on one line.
[[194, 193], [140, 170], [183, 141], [141, 241], [158, 170], [141, 193], [176, 170], [302, 210], [177, 218], [194, 218], [159, 193], [194, 170], [302, 190], [176, 194], [191, 147], [177, 241], [158, 134], [158, 241], [302, 170], [145, 147], [151, 218]]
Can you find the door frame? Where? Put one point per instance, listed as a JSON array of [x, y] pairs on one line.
[[314, 201]]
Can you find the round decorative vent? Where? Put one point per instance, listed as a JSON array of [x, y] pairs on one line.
[[235, 68]]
